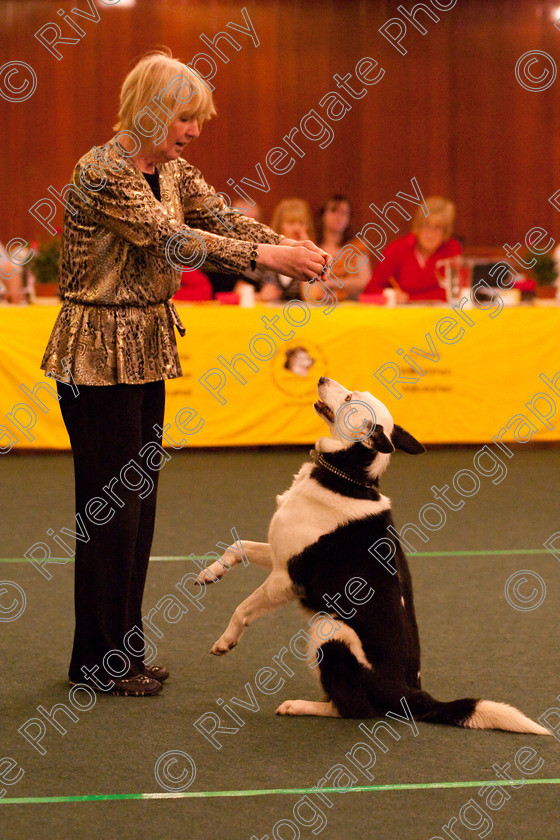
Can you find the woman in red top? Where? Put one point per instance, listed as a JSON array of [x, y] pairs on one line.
[[409, 263]]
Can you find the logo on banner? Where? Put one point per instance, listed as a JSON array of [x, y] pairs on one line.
[[297, 368]]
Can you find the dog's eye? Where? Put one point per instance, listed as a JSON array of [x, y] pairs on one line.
[[348, 398]]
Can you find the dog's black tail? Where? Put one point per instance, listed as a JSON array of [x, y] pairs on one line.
[[358, 692]]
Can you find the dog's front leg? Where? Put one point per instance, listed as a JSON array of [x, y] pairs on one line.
[[276, 590], [254, 552]]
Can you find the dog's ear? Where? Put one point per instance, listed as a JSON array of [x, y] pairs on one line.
[[378, 439], [404, 440]]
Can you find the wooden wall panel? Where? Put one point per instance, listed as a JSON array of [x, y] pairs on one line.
[[450, 112]]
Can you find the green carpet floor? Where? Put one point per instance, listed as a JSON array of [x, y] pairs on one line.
[[473, 641]]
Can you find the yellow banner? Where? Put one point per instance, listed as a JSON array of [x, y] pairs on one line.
[[250, 375]]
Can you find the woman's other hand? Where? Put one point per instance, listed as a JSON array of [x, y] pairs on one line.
[[307, 243], [303, 260]]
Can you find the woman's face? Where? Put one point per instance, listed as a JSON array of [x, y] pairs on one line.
[[294, 228], [336, 217], [430, 236], [181, 131]]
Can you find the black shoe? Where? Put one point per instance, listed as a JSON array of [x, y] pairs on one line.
[[138, 686], [156, 672]]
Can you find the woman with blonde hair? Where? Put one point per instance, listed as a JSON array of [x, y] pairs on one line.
[[292, 218], [409, 263], [137, 213]]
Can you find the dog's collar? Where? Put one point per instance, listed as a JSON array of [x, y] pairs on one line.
[[318, 458]]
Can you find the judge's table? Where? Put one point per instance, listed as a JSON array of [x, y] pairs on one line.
[[448, 375]]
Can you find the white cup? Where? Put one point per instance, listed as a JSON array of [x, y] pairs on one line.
[[247, 295], [390, 296]]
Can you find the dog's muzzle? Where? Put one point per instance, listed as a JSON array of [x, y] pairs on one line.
[[323, 409]]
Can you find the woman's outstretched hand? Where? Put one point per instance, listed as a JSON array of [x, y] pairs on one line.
[[301, 260]]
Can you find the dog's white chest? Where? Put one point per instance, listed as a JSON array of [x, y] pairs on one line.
[[307, 511]]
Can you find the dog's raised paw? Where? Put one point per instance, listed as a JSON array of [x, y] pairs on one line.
[[220, 647], [212, 573], [205, 578]]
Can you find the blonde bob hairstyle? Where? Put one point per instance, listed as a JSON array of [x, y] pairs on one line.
[[157, 91], [441, 210], [293, 209]]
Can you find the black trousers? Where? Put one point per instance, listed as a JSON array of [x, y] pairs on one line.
[[108, 426]]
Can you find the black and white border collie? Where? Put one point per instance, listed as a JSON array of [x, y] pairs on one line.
[[318, 541]]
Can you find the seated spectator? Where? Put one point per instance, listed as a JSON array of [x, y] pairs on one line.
[[293, 219], [334, 233], [409, 263]]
